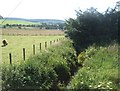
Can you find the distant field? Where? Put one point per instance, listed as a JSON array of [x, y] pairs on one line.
[[17, 22], [17, 43], [30, 32]]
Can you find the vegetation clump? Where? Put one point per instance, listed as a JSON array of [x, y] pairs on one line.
[[92, 27], [100, 70], [46, 70]]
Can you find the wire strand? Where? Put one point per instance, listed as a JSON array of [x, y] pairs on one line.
[[11, 12]]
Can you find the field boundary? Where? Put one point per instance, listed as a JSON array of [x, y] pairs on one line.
[[50, 43], [33, 32]]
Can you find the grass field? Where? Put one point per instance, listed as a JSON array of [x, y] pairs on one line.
[[17, 43], [16, 22]]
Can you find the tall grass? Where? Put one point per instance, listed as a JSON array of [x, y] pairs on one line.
[[99, 71]]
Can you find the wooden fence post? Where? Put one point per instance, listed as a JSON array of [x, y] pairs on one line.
[[33, 49], [10, 56], [50, 42], [23, 53], [45, 45], [40, 46]]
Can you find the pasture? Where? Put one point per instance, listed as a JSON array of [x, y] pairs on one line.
[[16, 43], [16, 22]]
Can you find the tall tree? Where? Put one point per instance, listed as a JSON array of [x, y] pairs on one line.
[[91, 27]]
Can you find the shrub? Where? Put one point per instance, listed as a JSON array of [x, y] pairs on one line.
[[28, 75]]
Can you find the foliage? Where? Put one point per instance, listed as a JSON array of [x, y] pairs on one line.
[[81, 58], [91, 27], [28, 75], [46, 70], [100, 70]]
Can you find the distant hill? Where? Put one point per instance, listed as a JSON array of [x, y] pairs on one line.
[[53, 21], [14, 21], [37, 23], [47, 20]]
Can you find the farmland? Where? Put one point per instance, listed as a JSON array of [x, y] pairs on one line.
[[16, 22], [54, 69], [30, 32], [87, 59], [19, 39]]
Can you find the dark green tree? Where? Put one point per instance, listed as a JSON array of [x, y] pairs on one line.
[[91, 27]]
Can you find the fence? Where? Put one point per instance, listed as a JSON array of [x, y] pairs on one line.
[[34, 48]]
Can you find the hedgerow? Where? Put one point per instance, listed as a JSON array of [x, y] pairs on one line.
[[46, 70]]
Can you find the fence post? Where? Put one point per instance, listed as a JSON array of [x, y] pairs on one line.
[[23, 53], [45, 45], [50, 42], [40, 46], [33, 49], [10, 56]]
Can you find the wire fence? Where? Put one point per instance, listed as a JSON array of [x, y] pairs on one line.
[[34, 49]]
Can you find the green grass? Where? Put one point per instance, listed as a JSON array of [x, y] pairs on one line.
[[17, 22], [99, 71], [17, 43]]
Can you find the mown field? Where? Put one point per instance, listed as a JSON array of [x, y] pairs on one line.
[[16, 43], [35, 32]]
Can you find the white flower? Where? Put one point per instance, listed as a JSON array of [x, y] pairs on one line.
[[90, 86], [81, 82], [109, 82], [108, 86], [99, 86]]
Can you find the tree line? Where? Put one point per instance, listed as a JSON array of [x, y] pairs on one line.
[[40, 26], [92, 27]]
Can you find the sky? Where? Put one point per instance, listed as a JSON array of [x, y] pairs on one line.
[[50, 9]]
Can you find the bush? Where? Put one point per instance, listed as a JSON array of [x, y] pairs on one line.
[[28, 75]]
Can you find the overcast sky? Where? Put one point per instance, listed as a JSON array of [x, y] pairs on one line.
[[50, 9]]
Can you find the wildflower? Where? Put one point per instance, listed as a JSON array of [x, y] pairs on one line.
[[99, 86], [81, 82], [109, 83], [108, 86], [90, 86]]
